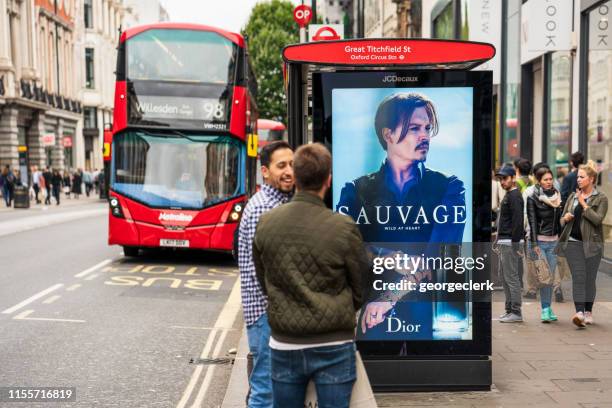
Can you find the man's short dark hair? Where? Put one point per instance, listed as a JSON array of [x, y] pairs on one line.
[[265, 156], [524, 166], [311, 166], [577, 158], [397, 109]]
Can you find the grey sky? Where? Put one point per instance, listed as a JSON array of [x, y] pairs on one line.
[[231, 15]]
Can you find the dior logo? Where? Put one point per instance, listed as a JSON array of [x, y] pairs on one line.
[[395, 325]]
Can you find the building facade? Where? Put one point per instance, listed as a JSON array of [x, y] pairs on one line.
[[552, 79], [39, 107], [57, 63], [380, 18]]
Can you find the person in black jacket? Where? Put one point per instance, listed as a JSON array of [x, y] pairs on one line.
[[543, 213], [48, 176], [510, 233], [570, 183], [57, 181]]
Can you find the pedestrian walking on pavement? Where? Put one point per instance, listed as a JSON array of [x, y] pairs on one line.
[[77, 181], [8, 184], [277, 170], [310, 263], [67, 183], [57, 181], [510, 233], [582, 240], [531, 281], [95, 175], [544, 213], [36, 182], [48, 176], [88, 180]]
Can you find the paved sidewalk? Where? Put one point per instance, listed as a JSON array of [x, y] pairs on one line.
[[13, 220], [64, 203], [538, 365], [534, 364]]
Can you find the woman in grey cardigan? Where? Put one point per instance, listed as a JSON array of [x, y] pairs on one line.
[[582, 240]]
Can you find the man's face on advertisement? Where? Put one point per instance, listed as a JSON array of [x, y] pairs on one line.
[[415, 145], [280, 173]]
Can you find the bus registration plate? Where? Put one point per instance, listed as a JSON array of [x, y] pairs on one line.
[[176, 243]]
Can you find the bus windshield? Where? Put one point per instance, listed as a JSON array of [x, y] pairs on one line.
[[172, 171], [188, 56]]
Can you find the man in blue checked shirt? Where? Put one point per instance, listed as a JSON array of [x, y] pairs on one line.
[[277, 170]]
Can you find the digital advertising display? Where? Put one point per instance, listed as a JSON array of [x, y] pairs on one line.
[[407, 169], [402, 169]]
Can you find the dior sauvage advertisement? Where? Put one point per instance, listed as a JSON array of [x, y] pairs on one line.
[[402, 169]]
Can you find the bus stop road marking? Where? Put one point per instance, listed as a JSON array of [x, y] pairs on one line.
[[25, 316], [93, 268], [51, 299], [73, 287], [33, 298], [226, 319]]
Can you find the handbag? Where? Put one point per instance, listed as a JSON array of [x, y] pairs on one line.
[[543, 273]]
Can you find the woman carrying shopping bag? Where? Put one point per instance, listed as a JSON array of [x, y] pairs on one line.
[[543, 214], [582, 240]]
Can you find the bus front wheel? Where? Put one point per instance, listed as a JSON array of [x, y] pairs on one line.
[[130, 251]]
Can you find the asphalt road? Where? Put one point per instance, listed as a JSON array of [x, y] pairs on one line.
[[124, 332]]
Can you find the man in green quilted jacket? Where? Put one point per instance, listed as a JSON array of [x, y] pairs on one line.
[[310, 263]]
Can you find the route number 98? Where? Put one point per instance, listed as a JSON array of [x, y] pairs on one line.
[[214, 110]]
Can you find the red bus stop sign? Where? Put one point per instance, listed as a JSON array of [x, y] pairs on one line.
[[326, 34], [302, 15]]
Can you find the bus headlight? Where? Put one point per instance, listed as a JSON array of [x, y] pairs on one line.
[[115, 207], [236, 212]]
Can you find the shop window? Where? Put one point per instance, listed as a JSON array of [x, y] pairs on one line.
[[598, 106], [465, 28], [443, 24], [509, 148], [559, 91]]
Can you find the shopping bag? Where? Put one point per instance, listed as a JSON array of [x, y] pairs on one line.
[[362, 396], [543, 273]]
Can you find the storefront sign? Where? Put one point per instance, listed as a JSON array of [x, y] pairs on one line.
[[485, 26], [48, 139], [67, 141], [600, 28], [546, 26]]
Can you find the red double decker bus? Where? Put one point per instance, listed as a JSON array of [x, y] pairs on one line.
[[181, 169]]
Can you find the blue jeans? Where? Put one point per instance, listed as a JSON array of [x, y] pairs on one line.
[[332, 369], [548, 253], [260, 380]]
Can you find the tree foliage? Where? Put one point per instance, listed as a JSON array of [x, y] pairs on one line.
[[270, 27]]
